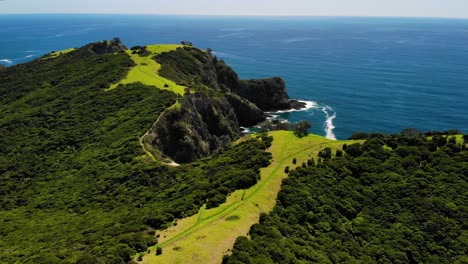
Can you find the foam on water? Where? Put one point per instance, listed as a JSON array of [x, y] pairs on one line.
[[309, 105], [245, 130], [7, 61], [328, 126]]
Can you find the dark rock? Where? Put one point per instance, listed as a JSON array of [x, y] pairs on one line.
[[247, 113], [204, 124], [297, 105], [267, 94]]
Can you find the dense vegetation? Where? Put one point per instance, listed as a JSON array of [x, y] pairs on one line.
[[75, 186], [394, 199]]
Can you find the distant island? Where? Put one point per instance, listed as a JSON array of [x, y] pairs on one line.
[[112, 154]]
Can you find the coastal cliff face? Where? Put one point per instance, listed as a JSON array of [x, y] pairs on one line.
[[202, 125], [216, 104], [268, 94]]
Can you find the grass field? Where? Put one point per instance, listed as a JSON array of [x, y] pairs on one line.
[[58, 53], [207, 236], [146, 69]]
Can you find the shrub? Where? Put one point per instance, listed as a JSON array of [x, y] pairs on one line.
[[339, 153], [158, 251]]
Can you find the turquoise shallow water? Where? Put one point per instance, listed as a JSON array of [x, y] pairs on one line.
[[362, 74]]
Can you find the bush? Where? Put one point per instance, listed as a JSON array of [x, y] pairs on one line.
[[359, 135], [325, 153], [158, 251], [302, 129], [339, 153]]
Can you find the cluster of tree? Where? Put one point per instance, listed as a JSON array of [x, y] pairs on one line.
[[140, 50], [75, 188], [390, 200], [408, 132], [188, 66], [300, 129], [186, 43]]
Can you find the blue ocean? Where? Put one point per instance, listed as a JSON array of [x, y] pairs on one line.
[[357, 74]]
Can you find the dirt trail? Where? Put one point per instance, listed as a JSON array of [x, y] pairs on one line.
[[172, 163]]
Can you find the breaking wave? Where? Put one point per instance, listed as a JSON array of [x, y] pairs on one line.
[[7, 61], [309, 105], [328, 126]]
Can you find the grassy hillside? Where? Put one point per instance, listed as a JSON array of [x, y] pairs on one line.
[[207, 236], [76, 186], [405, 204], [147, 69], [55, 54]]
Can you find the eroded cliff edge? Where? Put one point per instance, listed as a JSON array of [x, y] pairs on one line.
[[215, 105]]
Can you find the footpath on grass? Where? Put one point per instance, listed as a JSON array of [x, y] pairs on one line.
[[210, 234], [146, 71]]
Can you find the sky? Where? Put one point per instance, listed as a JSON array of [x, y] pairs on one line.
[[406, 8]]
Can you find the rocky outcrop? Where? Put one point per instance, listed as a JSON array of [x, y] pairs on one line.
[[267, 94], [216, 104], [297, 105], [247, 113], [202, 125]]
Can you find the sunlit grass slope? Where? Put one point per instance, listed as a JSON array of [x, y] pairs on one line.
[[146, 69], [207, 236], [58, 53]]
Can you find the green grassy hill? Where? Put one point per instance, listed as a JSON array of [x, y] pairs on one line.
[[205, 237], [375, 204], [76, 185]]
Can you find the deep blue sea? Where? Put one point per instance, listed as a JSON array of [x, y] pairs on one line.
[[362, 74]]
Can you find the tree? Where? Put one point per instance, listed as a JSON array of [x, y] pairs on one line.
[[158, 251], [355, 150], [325, 153], [302, 129], [339, 153], [186, 43], [117, 40]]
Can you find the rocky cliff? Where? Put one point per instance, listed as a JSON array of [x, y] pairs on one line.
[[214, 107], [202, 125]]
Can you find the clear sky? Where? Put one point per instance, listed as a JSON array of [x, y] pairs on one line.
[[413, 8]]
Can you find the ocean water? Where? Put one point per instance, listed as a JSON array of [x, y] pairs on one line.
[[358, 74]]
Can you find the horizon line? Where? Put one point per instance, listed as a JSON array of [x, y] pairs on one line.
[[247, 15]]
